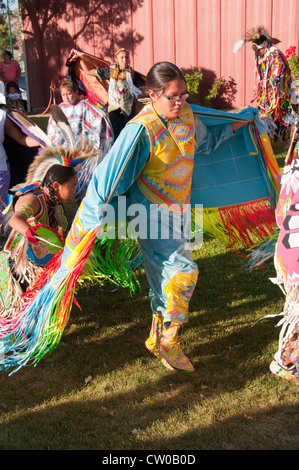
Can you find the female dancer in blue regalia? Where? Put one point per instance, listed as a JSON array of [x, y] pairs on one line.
[[151, 163]]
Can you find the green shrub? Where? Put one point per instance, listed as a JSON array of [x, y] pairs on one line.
[[221, 93], [293, 61], [193, 79]]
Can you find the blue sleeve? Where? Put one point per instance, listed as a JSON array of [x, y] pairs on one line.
[[115, 174]]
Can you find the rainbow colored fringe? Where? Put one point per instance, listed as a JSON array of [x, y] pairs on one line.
[[38, 326], [35, 329], [264, 247]]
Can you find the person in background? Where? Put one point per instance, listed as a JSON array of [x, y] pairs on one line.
[[124, 87], [88, 122], [13, 97], [39, 204], [10, 70], [7, 127], [275, 90]]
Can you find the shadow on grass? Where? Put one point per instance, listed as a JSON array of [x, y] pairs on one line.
[[53, 406]]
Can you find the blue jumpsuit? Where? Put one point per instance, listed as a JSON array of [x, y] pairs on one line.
[[169, 267]]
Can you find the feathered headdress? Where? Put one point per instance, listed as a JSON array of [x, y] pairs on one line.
[[54, 156], [258, 35]]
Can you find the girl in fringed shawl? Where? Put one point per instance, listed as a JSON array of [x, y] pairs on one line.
[[43, 204], [23, 242]]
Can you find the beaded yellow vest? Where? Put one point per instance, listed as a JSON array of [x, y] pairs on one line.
[[166, 177]]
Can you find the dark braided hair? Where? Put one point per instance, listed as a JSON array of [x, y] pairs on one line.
[[61, 174]]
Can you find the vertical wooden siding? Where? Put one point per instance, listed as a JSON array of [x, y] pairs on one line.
[[187, 32]]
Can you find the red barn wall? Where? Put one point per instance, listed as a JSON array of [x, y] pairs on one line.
[[187, 32]]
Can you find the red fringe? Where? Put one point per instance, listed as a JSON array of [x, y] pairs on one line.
[[248, 222]]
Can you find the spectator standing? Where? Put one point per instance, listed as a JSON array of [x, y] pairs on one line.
[[10, 70]]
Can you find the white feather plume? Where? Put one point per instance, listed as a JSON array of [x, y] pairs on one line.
[[238, 46]]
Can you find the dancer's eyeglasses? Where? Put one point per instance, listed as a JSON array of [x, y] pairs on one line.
[[174, 99]]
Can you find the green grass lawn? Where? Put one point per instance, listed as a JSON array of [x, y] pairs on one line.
[[102, 390]]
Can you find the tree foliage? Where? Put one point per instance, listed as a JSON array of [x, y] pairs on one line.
[[4, 35]]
